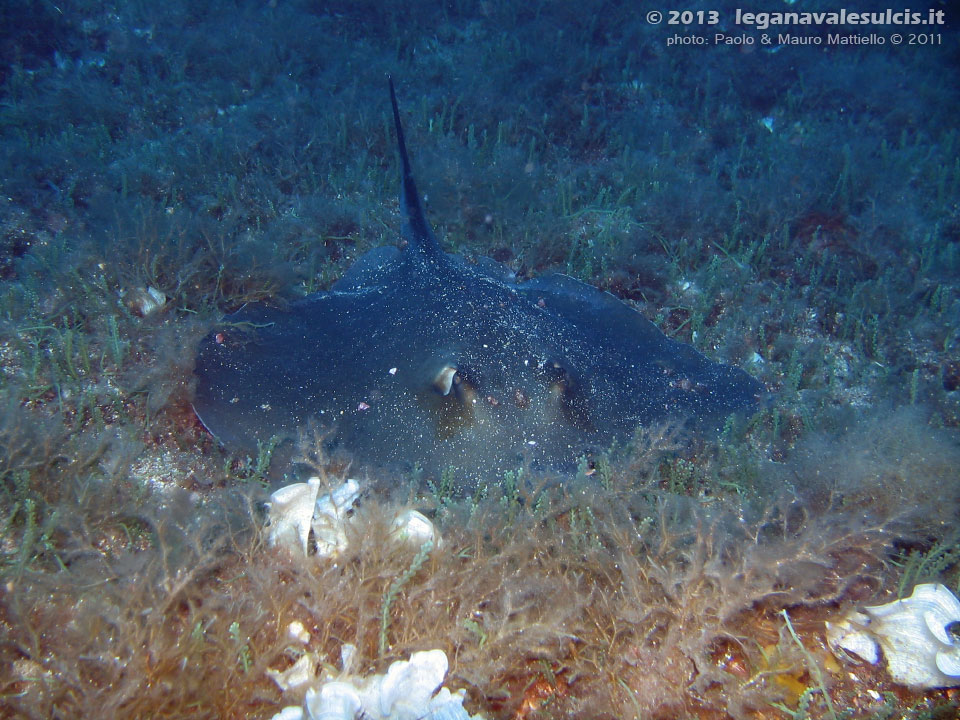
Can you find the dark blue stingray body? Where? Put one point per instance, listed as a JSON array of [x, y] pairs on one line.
[[418, 358]]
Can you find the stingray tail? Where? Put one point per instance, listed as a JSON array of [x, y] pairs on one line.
[[416, 229]]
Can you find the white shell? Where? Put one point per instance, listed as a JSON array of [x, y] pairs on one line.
[[338, 501], [301, 672], [414, 527], [949, 663], [847, 635], [291, 712], [408, 691], [407, 687], [348, 657], [330, 516], [291, 509], [296, 631], [334, 701], [448, 706], [147, 301], [297, 509], [919, 650]]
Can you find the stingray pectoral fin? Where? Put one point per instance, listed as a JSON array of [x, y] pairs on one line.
[[608, 318], [645, 371]]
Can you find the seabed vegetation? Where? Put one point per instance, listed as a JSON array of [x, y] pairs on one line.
[[794, 212]]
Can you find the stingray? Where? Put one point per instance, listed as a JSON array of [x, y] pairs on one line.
[[421, 361]]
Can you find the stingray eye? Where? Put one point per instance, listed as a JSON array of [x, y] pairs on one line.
[[218, 338], [443, 380]]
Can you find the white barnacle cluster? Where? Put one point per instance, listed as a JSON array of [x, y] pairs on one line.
[[298, 511], [409, 690], [918, 636]]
